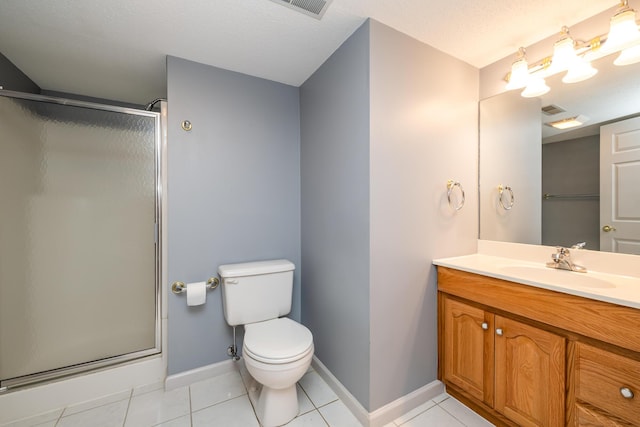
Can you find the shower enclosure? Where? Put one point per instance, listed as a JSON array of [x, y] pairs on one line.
[[79, 241]]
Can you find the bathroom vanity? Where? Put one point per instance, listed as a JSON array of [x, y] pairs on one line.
[[525, 346]]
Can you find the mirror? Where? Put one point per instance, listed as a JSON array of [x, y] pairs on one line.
[[518, 150]]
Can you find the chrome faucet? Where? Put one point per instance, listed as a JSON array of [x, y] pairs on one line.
[[562, 259]]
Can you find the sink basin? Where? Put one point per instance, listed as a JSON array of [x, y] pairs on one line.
[[530, 269], [556, 277]]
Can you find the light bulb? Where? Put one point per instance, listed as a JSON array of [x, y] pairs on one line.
[[536, 87], [519, 74], [628, 56], [566, 58], [564, 55], [579, 71]]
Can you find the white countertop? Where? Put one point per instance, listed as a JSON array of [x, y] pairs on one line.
[[613, 288]]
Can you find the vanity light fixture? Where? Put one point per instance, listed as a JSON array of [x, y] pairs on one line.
[[574, 57], [568, 123]]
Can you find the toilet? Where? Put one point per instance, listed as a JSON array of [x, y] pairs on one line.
[[277, 351]]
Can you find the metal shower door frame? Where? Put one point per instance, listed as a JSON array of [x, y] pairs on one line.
[[159, 130]]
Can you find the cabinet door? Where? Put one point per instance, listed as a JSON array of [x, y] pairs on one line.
[[468, 349], [530, 374]]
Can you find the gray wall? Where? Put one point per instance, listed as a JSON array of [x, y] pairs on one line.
[[424, 109], [334, 104], [386, 121], [571, 167], [233, 193], [11, 78]]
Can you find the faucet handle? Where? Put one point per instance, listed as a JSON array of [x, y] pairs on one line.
[[560, 254], [580, 245]]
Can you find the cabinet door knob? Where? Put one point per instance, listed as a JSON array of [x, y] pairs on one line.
[[485, 325], [499, 331], [626, 392]]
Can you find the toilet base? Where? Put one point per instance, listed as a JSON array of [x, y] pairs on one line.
[[277, 400], [276, 407]]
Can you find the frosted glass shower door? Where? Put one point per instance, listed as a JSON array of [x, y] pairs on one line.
[[78, 252]]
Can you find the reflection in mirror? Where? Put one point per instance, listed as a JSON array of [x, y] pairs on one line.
[[510, 156], [519, 149]]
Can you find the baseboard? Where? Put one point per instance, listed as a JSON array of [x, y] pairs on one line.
[[388, 412], [341, 391], [404, 404], [186, 378]]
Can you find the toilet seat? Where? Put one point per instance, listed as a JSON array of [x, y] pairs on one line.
[[277, 341]]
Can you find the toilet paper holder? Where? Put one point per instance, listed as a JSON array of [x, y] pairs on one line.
[[180, 287]]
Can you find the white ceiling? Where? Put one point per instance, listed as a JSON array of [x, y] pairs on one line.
[[116, 49]]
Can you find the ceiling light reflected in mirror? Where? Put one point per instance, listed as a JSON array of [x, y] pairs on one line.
[[568, 123]]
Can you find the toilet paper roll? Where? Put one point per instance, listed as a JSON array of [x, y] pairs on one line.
[[196, 293]]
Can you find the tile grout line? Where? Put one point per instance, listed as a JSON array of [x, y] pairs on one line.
[[60, 416], [126, 414], [317, 408], [307, 394], [64, 408], [445, 410], [418, 414], [190, 409], [255, 414]]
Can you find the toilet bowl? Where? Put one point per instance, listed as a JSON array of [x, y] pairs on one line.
[[277, 353]]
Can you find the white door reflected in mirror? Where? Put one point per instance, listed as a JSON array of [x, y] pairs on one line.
[[619, 178]]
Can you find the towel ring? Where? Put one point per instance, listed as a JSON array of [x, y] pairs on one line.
[[451, 184], [502, 189]]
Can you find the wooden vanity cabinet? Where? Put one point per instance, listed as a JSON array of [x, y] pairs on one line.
[[514, 368], [525, 356]]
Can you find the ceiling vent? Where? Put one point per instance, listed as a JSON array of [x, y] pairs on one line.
[[551, 109], [315, 8]]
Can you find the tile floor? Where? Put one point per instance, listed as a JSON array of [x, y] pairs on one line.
[[223, 401]]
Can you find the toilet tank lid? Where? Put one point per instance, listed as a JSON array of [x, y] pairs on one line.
[[255, 268]]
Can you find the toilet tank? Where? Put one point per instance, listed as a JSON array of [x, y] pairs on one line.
[[256, 291]]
